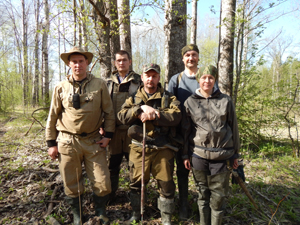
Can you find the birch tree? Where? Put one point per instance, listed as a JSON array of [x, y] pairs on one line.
[[125, 29], [25, 75], [83, 26], [194, 22], [252, 18], [175, 36], [226, 46]]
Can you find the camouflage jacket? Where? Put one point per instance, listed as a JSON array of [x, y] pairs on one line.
[[165, 102]]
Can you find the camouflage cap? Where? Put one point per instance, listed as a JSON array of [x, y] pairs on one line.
[[212, 70], [190, 47], [151, 66]]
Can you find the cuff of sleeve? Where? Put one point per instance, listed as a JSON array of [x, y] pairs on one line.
[[109, 134], [137, 111], [185, 157], [236, 156], [51, 143]]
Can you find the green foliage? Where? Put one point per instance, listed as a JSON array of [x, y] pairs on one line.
[[274, 177], [266, 105], [134, 223], [20, 169]]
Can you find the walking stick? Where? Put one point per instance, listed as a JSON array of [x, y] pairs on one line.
[[241, 183], [143, 171]]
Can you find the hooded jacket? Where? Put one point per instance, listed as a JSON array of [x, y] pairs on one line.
[[209, 126], [168, 107], [95, 105]]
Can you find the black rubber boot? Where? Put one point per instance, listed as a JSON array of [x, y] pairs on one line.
[[76, 207], [100, 205], [166, 207], [135, 200], [114, 179], [219, 186]]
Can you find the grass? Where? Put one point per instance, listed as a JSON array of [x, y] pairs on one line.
[[273, 175], [272, 178]]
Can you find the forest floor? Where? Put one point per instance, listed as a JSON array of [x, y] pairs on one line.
[[31, 190]]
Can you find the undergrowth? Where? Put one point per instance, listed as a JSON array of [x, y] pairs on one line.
[[272, 178]]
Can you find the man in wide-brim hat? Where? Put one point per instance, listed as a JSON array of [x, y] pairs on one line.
[[76, 50], [79, 107]]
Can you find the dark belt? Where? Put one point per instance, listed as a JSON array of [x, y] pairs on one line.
[[84, 134]]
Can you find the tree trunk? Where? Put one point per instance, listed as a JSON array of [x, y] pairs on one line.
[[25, 56], [194, 22], [65, 48], [102, 28], [114, 29], [75, 22], [125, 29], [59, 40], [239, 49], [175, 36], [36, 86], [226, 46], [83, 26], [45, 54]]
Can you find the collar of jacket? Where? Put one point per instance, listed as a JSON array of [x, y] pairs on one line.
[[89, 77], [114, 77], [143, 95], [215, 94]]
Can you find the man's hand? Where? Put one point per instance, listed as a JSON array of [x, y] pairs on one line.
[[53, 152], [102, 131], [187, 164], [235, 164], [103, 142], [148, 113]]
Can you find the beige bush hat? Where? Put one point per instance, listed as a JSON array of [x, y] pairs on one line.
[[65, 56]]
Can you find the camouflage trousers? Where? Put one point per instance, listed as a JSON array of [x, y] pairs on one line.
[[159, 163]]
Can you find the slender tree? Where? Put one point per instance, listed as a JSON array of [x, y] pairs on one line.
[[74, 22], [226, 46], [194, 22], [46, 27], [35, 88], [83, 20], [25, 74]]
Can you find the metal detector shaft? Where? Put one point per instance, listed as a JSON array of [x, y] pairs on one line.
[[143, 172]]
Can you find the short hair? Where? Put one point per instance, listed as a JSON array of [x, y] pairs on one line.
[[122, 52], [76, 53]]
